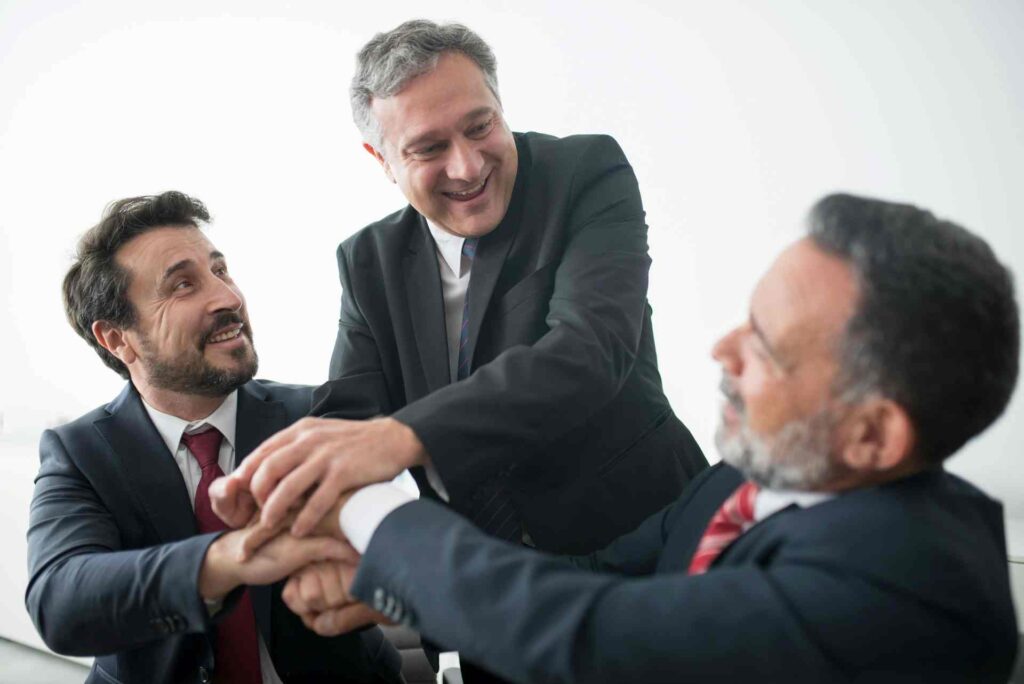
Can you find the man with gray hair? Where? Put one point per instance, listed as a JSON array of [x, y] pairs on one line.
[[830, 545], [499, 323]]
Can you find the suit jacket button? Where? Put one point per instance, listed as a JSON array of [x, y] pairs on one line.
[[378, 600], [204, 675]]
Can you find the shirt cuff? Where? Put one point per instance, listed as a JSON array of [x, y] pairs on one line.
[[364, 512]]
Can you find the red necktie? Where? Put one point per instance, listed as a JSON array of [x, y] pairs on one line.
[[237, 650], [726, 525]]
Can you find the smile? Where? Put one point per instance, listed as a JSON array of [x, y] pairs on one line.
[[469, 193], [226, 335]]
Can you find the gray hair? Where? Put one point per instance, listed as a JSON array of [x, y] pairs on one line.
[[390, 60]]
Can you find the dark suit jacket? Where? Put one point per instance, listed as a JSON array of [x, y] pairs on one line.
[[902, 582], [114, 555], [564, 405]]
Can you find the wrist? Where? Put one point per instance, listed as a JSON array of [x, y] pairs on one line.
[[218, 574], [412, 452]]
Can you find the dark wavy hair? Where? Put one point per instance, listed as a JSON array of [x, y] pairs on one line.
[[936, 328], [96, 287]]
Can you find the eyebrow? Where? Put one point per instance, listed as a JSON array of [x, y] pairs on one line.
[[185, 263], [429, 135]]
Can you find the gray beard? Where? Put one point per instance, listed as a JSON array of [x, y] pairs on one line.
[[797, 457]]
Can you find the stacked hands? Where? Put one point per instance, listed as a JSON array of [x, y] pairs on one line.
[[284, 502]]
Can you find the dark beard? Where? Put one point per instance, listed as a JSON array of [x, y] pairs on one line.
[[193, 374]]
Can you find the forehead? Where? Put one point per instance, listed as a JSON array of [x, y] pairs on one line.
[[434, 101], [805, 299], [149, 255]]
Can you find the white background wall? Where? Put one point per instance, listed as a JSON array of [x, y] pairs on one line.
[[735, 115]]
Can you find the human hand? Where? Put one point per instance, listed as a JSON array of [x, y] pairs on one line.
[[232, 501], [223, 567], [320, 456], [260, 533], [319, 595]]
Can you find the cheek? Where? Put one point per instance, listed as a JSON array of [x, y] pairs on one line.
[[768, 403]]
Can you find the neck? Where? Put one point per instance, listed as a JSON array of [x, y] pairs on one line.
[[185, 406]]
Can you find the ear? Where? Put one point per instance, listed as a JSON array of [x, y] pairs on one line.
[[115, 341], [375, 153], [878, 437]]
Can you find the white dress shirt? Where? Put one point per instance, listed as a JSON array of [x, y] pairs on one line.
[[171, 429], [364, 512]]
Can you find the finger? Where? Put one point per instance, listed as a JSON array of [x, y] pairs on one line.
[[231, 501], [309, 591], [254, 460], [330, 580], [309, 619], [273, 469], [289, 594], [288, 554], [257, 535], [341, 620], [323, 499], [293, 486]]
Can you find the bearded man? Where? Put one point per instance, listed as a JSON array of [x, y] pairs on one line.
[[127, 561], [829, 546]]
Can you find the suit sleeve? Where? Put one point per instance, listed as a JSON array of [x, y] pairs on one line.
[[531, 394], [85, 594], [357, 388], [530, 617]]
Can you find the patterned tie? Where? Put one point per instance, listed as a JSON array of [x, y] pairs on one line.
[[726, 525], [491, 507], [468, 251], [237, 650]]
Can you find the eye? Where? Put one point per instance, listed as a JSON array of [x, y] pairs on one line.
[[481, 129], [429, 151], [182, 285], [220, 271]]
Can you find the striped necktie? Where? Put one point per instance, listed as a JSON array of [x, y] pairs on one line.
[[728, 523], [491, 507]]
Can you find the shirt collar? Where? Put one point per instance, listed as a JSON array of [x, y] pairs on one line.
[[171, 428], [771, 501], [448, 246]]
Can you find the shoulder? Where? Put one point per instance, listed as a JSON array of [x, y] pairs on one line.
[[929, 519], [389, 235], [544, 150], [270, 390], [83, 428]]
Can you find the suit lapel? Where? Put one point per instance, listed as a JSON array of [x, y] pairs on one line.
[[426, 306], [152, 474], [258, 418], [491, 253]]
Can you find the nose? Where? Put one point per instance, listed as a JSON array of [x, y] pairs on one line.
[[465, 161], [726, 352], [225, 296]]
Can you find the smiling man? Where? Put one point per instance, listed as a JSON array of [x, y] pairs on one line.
[[830, 546], [496, 331], [127, 561]]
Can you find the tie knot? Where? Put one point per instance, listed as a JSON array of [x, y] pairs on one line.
[[469, 248], [205, 446]]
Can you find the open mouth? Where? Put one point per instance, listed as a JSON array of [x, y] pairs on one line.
[[470, 193], [225, 334]]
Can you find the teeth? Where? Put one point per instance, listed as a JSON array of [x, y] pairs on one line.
[[470, 191], [227, 335]]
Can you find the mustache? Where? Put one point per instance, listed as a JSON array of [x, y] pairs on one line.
[[731, 395]]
